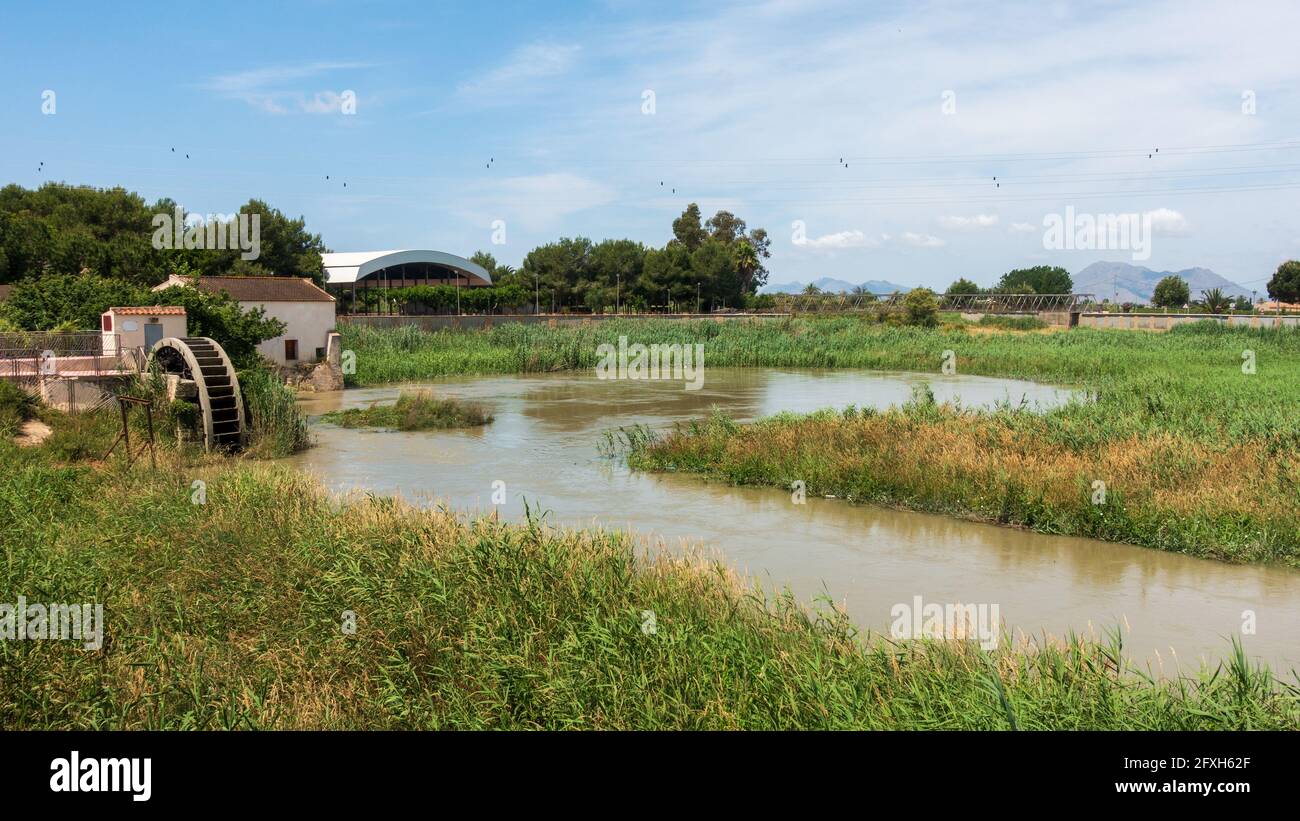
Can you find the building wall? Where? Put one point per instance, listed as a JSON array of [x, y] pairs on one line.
[[308, 322], [123, 334], [1163, 322]]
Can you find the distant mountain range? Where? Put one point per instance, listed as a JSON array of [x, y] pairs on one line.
[[1121, 282], [834, 286], [1116, 281]]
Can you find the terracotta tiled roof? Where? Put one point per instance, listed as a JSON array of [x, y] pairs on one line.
[[150, 310], [265, 289]]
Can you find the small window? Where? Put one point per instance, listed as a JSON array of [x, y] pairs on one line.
[[291, 350], [108, 322]]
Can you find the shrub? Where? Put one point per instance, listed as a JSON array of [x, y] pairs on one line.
[[921, 307]]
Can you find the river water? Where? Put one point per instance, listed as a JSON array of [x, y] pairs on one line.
[[1174, 611]]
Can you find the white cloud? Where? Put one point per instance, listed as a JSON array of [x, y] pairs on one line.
[[1167, 222], [532, 62], [842, 239], [1022, 228], [268, 89], [969, 223], [921, 240]]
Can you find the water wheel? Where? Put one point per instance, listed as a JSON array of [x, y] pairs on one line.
[[205, 377]]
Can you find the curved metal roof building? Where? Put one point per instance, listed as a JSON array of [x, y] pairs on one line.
[[396, 268]]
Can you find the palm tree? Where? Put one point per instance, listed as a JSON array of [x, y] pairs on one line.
[[811, 289], [1215, 301], [746, 260]]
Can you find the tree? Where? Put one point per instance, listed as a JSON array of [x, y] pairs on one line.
[[76, 302], [487, 262], [1171, 292], [716, 274], [963, 286], [615, 267], [562, 267], [1285, 284], [1041, 279], [64, 229], [1215, 301], [687, 229], [667, 276], [285, 248], [747, 264]]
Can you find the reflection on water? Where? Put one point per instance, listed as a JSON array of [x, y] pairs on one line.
[[543, 445]]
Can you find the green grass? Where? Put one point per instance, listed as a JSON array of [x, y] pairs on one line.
[[16, 407], [230, 614], [420, 410], [1011, 323]]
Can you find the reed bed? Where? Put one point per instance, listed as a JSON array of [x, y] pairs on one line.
[[276, 427], [234, 613], [418, 410]]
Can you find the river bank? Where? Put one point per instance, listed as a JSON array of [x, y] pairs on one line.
[[266, 603]]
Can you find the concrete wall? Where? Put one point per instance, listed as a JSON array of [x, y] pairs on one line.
[[128, 330], [308, 322], [436, 323], [1163, 322]]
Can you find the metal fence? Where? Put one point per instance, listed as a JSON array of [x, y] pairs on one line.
[[67, 369], [969, 303]]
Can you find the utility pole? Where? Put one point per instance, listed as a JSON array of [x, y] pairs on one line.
[[536, 295], [697, 297], [618, 289]]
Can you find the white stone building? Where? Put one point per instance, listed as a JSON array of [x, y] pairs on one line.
[[306, 310]]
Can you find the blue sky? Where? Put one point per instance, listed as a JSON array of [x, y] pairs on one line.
[[754, 105]]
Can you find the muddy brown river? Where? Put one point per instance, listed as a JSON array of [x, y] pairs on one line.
[[1174, 611]]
